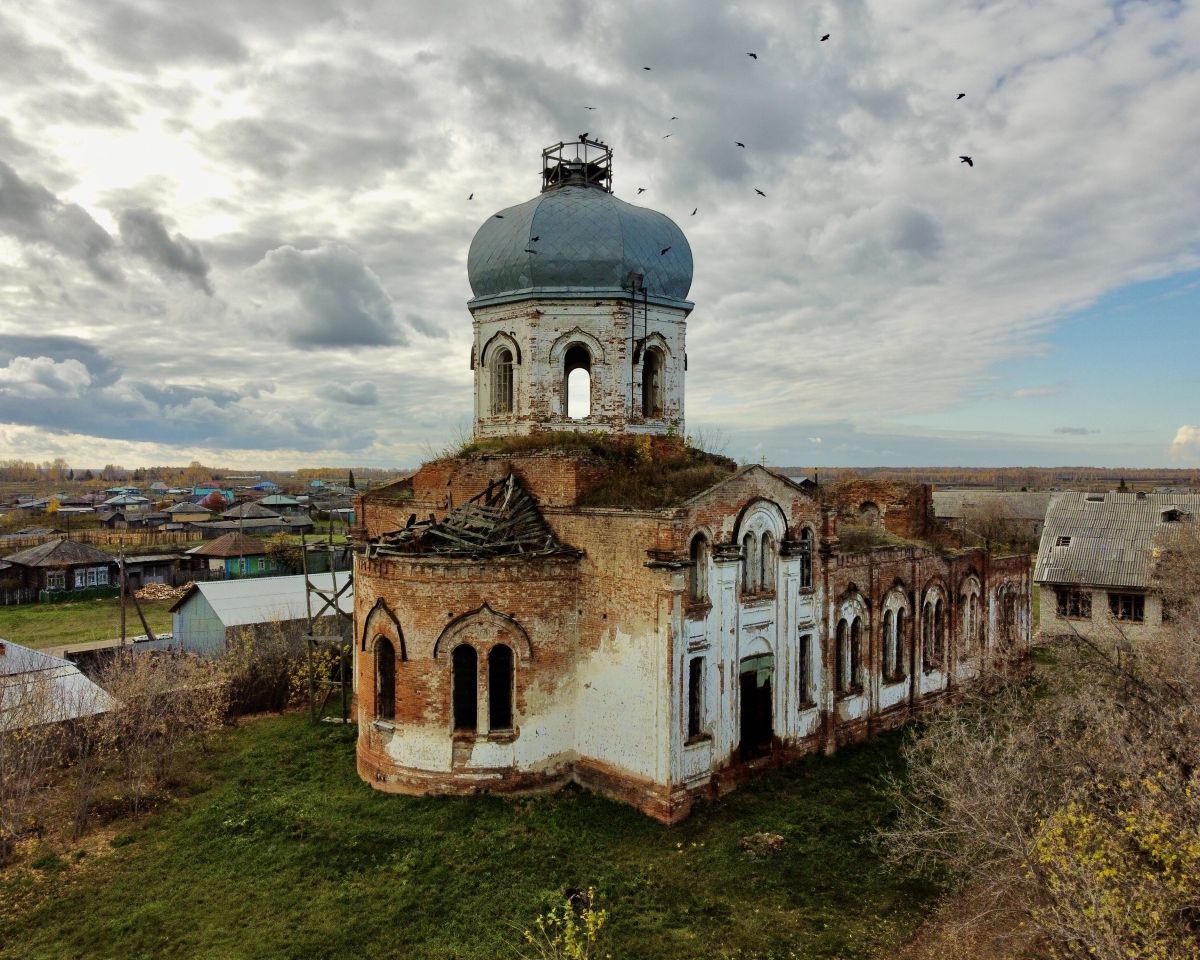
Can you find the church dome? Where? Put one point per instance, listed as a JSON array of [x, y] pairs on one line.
[[576, 236]]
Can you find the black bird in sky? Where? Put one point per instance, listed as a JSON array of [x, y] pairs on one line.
[[740, 144], [583, 136], [645, 68], [641, 190], [663, 251], [527, 250], [967, 160], [824, 38], [534, 239], [471, 197], [960, 96], [498, 216], [752, 56], [759, 192], [694, 211], [674, 118], [666, 137], [589, 108]]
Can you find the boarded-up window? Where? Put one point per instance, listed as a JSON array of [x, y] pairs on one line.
[[465, 692], [500, 688]]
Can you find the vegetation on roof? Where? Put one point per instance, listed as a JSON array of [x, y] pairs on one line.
[[648, 472]]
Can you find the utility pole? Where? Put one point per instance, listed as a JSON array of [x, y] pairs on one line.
[[121, 561]]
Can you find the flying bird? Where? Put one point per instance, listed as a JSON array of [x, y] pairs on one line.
[[694, 211], [527, 250], [534, 239], [674, 118], [824, 38], [471, 197], [641, 190], [645, 68], [759, 192], [740, 144], [960, 96], [666, 137], [498, 216], [967, 160], [583, 136], [663, 251], [752, 56], [589, 108]]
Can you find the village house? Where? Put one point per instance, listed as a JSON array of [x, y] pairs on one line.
[[1019, 513], [525, 617], [1096, 561], [188, 512], [235, 555], [64, 565]]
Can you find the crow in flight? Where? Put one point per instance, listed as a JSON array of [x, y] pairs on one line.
[[824, 38], [527, 250], [674, 118], [498, 216], [641, 190], [759, 192], [753, 56], [471, 197], [645, 68], [960, 96], [666, 137], [583, 136], [589, 108], [694, 211], [534, 239], [967, 160], [740, 144], [663, 251]]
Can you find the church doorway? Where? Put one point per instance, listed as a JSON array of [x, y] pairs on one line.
[[756, 728]]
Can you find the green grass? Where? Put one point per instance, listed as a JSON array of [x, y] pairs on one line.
[[280, 851], [51, 624]]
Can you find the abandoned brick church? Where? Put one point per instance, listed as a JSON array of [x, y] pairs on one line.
[[579, 596]]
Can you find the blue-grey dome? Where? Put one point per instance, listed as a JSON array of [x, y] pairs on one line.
[[587, 239]]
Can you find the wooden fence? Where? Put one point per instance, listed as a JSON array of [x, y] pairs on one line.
[[112, 538]]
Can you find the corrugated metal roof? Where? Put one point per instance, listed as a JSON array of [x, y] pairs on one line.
[[263, 599], [1111, 537], [72, 694], [1018, 504]]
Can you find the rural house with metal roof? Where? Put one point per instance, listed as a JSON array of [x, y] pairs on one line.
[[1096, 561]]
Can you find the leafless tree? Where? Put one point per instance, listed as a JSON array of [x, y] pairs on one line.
[[31, 745]]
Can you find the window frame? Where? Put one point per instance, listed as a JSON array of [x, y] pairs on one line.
[[1135, 602], [696, 720], [1073, 603]]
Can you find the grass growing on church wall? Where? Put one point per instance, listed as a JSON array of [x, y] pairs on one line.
[[275, 849]]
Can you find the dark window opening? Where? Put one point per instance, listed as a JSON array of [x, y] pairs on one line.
[[804, 668], [757, 730], [652, 383], [855, 652], [1074, 604], [1127, 607], [750, 560], [695, 714], [927, 636], [500, 688], [577, 382], [805, 558], [502, 382], [842, 656], [465, 685], [889, 643], [385, 679], [1062, 541], [939, 633], [898, 658], [699, 568]]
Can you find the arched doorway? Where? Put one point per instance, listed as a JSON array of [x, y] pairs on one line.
[[757, 730]]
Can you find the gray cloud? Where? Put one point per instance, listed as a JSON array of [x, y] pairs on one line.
[[144, 233], [142, 36], [361, 393], [1075, 431], [32, 214], [330, 299]]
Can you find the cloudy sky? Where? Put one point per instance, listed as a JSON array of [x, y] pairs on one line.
[[237, 232]]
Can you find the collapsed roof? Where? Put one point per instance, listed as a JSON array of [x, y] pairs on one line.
[[501, 521]]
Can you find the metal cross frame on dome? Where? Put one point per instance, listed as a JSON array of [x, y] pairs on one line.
[[581, 162]]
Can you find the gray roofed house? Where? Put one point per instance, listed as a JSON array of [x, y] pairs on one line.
[[1095, 563], [37, 688], [64, 565], [210, 614], [249, 511], [1022, 511]]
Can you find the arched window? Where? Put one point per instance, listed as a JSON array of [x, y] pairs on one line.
[[385, 679], [969, 604], [698, 588], [855, 652], [766, 568], [899, 657], [577, 381], [889, 644], [652, 383], [500, 688], [927, 635], [465, 687], [502, 382], [806, 539], [750, 561], [842, 655], [939, 633]]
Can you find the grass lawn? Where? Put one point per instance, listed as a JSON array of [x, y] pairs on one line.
[[276, 849], [51, 624]]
